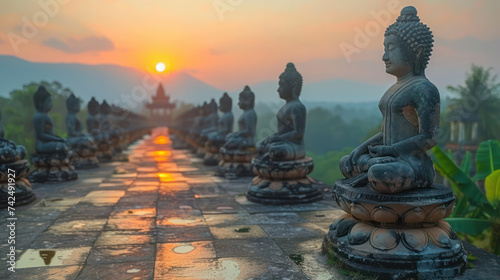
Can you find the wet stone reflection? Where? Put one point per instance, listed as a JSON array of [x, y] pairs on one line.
[[165, 215]]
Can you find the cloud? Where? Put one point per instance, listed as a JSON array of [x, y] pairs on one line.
[[86, 44]]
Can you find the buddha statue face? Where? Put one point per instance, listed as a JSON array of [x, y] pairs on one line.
[[396, 62], [407, 44], [285, 90]]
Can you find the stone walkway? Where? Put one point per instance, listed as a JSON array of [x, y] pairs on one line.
[[162, 215]]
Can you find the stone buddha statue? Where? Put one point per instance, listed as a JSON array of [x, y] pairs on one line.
[[225, 123], [247, 123], [83, 144], [281, 165], [93, 109], [395, 159], [288, 143], [101, 137], [210, 122], [217, 138], [46, 141], [394, 222], [53, 157], [239, 149], [12, 158]]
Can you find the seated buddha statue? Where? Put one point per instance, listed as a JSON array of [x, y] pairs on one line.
[[210, 122], [395, 159], [74, 127], [46, 141], [247, 123], [95, 128], [9, 151], [288, 143], [225, 123]]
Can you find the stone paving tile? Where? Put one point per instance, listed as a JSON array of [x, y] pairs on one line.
[[69, 226], [299, 245], [229, 219], [118, 271], [122, 253], [256, 248], [134, 211], [183, 234], [184, 251], [38, 273], [237, 232], [74, 239], [278, 218], [53, 257], [308, 230], [180, 220], [125, 238], [194, 269], [130, 223]]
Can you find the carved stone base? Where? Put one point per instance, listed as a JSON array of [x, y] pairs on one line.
[[85, 162], [233, 170], [211, 159], [283, 182], [53, 168], [23, 194], [428, 252], [409, 208], [279, 192], [105, 155]]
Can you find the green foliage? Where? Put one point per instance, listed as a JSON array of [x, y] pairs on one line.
[[19, 109], [475, 214], [326, 167], [327, 131], [479, 96], [487, 159]]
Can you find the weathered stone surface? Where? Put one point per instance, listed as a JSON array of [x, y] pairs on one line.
[[394, 225]]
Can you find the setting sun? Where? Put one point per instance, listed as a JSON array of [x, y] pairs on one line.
[[160, 67]]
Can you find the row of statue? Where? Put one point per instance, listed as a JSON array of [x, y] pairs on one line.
[[110, 129], [394, 222]]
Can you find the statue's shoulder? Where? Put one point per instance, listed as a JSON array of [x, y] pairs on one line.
[[423, 89]]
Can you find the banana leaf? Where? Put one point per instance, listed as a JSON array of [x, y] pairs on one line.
[[469, 226], [466, 165], [456, 176], [487, 159], [492, 187]]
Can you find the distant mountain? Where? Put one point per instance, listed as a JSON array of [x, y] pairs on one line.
[[112, 82], [109, 82], [337, 91]]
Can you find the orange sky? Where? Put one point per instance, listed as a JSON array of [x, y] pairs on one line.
[[250, 41]]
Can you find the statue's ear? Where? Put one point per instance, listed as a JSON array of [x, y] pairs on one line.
[[419, 58]]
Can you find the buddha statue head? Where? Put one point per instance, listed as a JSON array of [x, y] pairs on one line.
[[73, 104], [290, 84], [42, 100], [407, 44], [246, 99], [226, 103], [93, 107], [105, 108], [212, 107]]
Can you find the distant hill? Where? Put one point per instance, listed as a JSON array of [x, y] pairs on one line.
[[110, 82]]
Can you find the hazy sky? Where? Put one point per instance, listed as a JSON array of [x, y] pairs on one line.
[[228, 43]]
